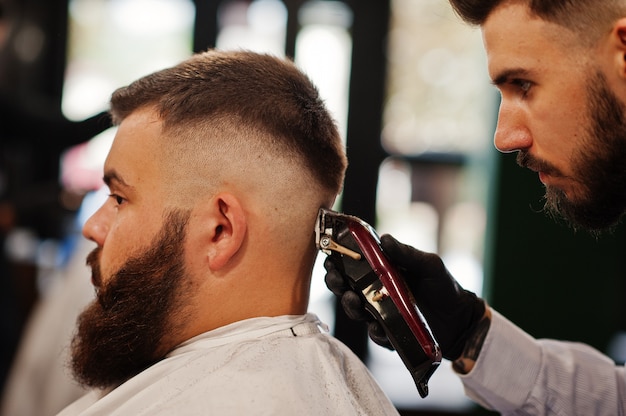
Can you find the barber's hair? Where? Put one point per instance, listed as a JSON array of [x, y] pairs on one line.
[[255, 92], [588, 18]]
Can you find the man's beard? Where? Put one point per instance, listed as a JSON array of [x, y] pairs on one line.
[[126, 329], [598, 166]]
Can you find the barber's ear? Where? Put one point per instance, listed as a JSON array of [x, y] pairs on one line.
[[228, 227]]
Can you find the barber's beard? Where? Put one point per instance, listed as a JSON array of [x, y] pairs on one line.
[[599, 166], [127, 328]]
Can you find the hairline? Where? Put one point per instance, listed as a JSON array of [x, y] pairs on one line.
[[585, 34]]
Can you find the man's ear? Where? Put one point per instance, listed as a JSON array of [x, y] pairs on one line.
[[228, 227], [618, 37]]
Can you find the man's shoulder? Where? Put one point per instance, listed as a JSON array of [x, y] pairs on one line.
[[287, 369]]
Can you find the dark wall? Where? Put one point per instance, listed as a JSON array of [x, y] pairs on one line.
[[33, 130], [33, 134], [551, 281]]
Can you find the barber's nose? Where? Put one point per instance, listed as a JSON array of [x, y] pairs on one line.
[[512, 133], [97, 226]]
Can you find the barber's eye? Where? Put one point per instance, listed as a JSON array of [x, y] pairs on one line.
[[522, 84]]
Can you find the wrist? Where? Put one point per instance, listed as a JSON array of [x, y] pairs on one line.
[[466, 362]]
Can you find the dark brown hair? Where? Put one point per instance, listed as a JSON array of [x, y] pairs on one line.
[[589, 18], [257, 91]]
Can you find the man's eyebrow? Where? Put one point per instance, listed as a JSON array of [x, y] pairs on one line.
[[504, 76], [112, 177]]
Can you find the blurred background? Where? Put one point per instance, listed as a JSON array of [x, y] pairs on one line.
[[408, 86]]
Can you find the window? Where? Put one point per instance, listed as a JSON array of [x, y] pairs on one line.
[[432, 190], [114, 42]]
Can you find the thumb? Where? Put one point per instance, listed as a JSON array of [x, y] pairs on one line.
[[400, 254], [410, 258]]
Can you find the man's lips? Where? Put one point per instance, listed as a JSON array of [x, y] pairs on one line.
[[545, 172], [543, 176], [94, 263], [543, 168]]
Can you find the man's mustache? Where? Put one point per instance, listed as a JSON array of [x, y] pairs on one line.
[[93, 261], [526, 160]]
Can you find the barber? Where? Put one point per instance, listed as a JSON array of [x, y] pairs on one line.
[[560, 68]]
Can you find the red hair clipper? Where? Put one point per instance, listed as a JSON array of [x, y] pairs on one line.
[[354, 247]]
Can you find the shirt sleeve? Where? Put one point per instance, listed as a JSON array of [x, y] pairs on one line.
[[518, 375]]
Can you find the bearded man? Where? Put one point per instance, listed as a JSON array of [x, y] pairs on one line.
[[205, 249], [560, 67]]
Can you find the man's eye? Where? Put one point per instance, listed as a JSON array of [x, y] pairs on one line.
[[118, 199]]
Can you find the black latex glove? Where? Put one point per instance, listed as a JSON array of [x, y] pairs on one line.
[[451, 311]]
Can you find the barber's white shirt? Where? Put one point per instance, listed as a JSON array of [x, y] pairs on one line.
[[263, 366], [518, 375]]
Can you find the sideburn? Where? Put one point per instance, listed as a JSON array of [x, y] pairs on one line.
[[602, 163]]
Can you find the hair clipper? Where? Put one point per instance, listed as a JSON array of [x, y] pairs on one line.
[[354, 247]]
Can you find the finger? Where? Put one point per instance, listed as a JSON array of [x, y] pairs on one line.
[[378, 335], [329, 264], [399, 253], [336, 283], [410, 258], [353, 306]]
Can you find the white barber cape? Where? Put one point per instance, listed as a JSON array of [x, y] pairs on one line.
[[263, 366]]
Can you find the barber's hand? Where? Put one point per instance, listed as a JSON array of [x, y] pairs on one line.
[[451, 312]]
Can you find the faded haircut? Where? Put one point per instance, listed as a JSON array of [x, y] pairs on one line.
[[590, 19], [257, 92]]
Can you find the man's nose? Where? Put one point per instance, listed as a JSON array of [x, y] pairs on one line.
[[96, 227], [512, 133]]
